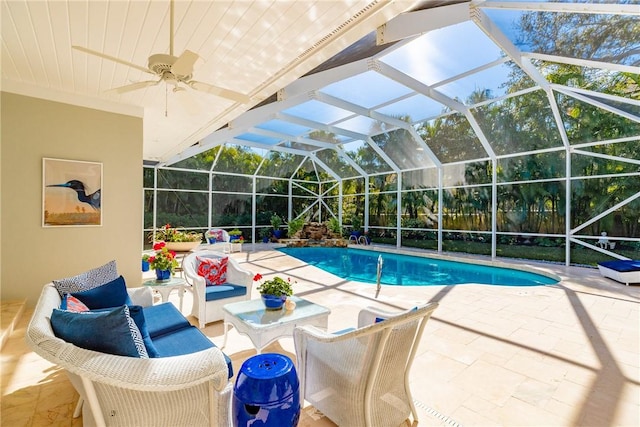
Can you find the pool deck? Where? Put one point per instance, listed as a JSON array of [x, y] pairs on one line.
[[556, 355]]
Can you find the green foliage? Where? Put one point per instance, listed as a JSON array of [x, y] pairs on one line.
[[334, 225], [356, 223], [235, 232], [170, 234], [264, 232], [276, 286], [294, 226], [275, 221], [163, 259]]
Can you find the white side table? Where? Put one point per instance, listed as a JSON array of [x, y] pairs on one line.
[[236, 247], [165, 287]]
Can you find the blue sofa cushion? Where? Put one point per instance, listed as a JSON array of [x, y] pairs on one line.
[[622, 266], [164, 318], [106, 331], [185, 341], [111, 294], [227, 290]]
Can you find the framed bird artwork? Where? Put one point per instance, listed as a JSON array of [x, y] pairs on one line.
[[71, 193]]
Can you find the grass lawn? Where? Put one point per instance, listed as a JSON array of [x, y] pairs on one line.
[[579, 256]]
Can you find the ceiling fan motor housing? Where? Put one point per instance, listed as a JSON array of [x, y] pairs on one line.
[[161, 64]]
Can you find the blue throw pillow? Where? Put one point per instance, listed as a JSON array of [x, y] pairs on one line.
[[111, 332], [111, 294], [138, 316]]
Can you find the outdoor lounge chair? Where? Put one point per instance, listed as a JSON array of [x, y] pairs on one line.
[[208, 300], [623, 271], [360, 377]]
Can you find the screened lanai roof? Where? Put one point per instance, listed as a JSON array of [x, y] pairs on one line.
[[452, 83]]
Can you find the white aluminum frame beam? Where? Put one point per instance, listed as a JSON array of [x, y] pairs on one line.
[[591, 8], [416, 23]]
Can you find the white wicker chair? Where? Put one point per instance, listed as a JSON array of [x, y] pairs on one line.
[[361, 377], [223, 244], [211, 311], [126, 391]]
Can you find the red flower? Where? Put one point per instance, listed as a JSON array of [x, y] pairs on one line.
[[152, 259], [257, 277], [173, 254], [158, 246]]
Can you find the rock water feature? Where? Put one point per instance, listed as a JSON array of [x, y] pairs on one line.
[[316, 234]]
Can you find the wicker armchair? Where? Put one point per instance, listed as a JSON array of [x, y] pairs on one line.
[[211, 311], [126, 391], [360, 377], [223, 242]]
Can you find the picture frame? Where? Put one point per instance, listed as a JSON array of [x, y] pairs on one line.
[[71, 193]]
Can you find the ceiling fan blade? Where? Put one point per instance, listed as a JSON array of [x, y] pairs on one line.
[[135, 86], [184, 64], [219, 91], [111, 58]]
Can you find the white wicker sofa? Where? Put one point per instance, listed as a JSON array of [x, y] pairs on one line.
[[191, 389]]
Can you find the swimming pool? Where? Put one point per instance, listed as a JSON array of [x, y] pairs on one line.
[[361, 265]]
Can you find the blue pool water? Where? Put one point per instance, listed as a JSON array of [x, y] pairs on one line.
[[397, 269]]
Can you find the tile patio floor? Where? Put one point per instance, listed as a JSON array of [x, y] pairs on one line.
[[560, 355]]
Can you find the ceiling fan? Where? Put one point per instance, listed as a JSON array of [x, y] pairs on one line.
[[174, 70]]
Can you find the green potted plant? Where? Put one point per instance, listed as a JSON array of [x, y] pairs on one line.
[[163, 262], [276, 222], [264, 235], [274, 292], [235, 235], [145, 262], [176, 239]]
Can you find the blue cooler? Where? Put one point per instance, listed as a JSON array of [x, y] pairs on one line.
[[266, 393]]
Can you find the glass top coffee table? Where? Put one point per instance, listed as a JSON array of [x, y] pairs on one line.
[[263, 326]]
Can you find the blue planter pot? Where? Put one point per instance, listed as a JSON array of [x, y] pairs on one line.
[[234, 237], [273, 302], [162, 275], [277, 234], [145, 265], [211, 240]]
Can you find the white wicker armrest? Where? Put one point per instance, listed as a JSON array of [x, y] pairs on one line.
[[166, 373], [238, 275], [141, 295]]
